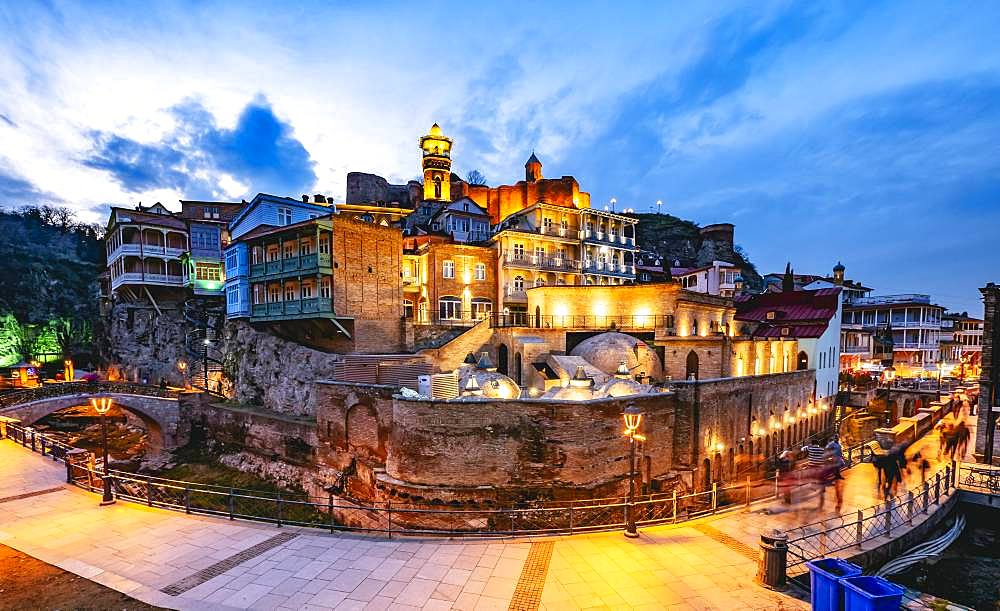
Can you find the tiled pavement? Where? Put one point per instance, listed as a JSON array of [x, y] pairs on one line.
[[195, 562], [141, 551], [210, 563]]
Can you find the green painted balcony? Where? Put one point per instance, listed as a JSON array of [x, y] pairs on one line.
[[303, 265], [294, 309]]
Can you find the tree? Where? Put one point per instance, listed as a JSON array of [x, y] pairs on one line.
[[475, 177], [71, 334]]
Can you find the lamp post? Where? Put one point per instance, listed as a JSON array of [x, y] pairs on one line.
[[102, 405], [633, 418]]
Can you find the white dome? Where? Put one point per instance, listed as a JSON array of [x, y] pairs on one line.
[[607, 350]]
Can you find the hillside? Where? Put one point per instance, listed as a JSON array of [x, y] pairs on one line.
[[49, 285], [675, 239]]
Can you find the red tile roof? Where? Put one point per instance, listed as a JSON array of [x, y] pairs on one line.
[[796, 314]]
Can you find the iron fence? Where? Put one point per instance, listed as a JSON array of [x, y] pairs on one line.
[[584, 321], [848, 530], [389, 518], [982, 478]]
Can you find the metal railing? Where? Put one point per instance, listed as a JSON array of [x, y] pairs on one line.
[[831, 535], [583, 321], [332, 513], [981, 478]]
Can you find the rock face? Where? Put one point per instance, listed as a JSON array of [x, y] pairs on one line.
[[145, 345], [273, 373], [674, 239]]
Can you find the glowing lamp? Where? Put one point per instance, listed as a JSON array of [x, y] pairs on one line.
[[632, 417], [101, 405]]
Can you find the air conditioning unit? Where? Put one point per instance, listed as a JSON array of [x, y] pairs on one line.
[[441, 386]]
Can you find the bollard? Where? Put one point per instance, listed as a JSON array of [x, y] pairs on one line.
[[772, 566], [859, 528]]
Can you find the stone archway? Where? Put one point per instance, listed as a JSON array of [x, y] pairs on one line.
[[691, 368], [502, 359], [802, 362], [160, 415]]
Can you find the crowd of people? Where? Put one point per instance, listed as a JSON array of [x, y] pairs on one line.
[[824, 463]]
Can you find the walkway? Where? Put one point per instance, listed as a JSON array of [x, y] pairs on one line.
[[193, 562]]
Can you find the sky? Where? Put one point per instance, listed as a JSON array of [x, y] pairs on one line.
[[862, 132]]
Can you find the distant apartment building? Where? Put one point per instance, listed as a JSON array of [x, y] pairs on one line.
[[720, 278], [913, 321]]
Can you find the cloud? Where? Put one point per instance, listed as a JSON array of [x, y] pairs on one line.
[[16, 191], [200, 159]]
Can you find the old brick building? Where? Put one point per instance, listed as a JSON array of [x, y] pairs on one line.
[[445, 282]]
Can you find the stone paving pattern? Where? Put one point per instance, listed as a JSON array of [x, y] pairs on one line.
[[704, 564]]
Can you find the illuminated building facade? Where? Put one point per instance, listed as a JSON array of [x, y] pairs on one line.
[[913, 320], [202, 265], [447, 282], [145, 247]]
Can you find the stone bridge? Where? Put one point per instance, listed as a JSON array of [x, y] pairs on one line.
[[158, 409]]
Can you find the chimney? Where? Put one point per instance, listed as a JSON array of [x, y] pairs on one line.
[[319, 198], [305, 199]]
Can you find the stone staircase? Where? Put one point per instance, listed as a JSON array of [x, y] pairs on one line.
[[452, 353]]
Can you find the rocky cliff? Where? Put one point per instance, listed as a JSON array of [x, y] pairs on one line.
[[144, 344], [674, 239], [270, 372]]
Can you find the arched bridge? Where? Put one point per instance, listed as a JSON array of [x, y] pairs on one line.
[[157, 408]]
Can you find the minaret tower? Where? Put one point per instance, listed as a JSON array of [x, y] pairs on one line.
[[436, 148]]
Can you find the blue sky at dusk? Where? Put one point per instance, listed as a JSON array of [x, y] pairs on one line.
[[865, 132]]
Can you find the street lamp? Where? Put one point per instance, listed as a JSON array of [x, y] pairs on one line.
[[101, 406], [633, 418]]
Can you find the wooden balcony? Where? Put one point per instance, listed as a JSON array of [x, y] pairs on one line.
[[292, 266], [292, 310]]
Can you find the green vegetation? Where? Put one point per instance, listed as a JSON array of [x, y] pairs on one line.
[[49, 290]]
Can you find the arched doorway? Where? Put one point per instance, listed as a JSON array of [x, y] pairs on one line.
[[502, 359], [692, 366], [517, 368], [802, 361]]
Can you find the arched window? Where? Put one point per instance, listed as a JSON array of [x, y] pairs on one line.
[[539, 281], [694, 327], [437, 187], [803, 361], [518, 283], [692, 366], [450, 308], [517, 368]]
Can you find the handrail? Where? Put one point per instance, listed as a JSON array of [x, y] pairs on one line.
[[390, 517]]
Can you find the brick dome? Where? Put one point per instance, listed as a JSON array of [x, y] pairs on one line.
[[607, 350]]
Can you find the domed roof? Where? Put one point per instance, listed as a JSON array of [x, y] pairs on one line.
[[571, 393], [839, 267], [494, 385], [436, 130], [607, 350], [623, 388]]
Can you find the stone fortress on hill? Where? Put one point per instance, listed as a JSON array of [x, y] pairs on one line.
[[443, 342]]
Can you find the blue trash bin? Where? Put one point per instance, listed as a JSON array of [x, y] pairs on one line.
[[871, 594], [825, 591]]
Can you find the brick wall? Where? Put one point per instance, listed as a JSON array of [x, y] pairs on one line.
[[523, 444], [714, 412], [366, 278]]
